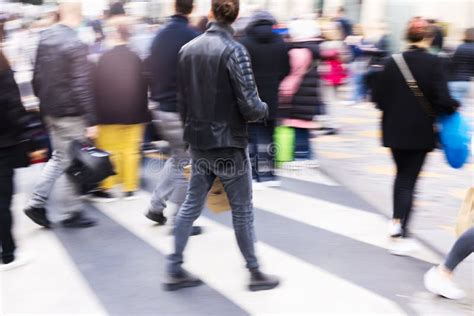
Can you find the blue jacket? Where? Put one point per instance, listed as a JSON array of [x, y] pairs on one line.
[[164, 61]]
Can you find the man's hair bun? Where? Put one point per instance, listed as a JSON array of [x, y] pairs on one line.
[[226, 11]]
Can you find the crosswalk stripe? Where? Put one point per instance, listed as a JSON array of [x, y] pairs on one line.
[[51, 284], [215, 258], [354, 223], [312, 175]]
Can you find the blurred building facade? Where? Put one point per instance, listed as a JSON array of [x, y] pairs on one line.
[[376, 16]]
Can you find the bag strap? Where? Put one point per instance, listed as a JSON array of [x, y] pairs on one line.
[[413, 85]]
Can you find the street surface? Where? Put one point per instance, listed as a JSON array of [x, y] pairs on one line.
[[328, 246], [356, 159]]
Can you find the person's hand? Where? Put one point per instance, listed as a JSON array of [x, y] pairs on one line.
[[92, 132], [38, 155]]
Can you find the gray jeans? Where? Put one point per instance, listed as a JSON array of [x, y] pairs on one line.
[[62, 131], [463, 247], [172, 185], [233, 167]]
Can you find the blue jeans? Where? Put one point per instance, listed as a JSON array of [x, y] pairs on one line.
[[459, 90], [232, 166]]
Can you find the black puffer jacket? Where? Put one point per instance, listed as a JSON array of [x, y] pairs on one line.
[[307, 101], [62, 75], [462, 66], [270, 60], [217, 94]]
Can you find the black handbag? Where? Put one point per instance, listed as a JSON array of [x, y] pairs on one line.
[[90, 165]]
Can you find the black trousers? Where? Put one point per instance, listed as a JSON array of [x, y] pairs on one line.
[[409, 164], [6, 193]]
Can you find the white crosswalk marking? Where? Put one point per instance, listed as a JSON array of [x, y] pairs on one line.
[[51, 283], [312, 175], [214, 257], [357, 224], [46, 284]]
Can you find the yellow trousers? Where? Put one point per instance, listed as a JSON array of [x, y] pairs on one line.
[[123, 143]]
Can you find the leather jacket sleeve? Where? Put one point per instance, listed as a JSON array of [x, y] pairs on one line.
[[245, 89], [81, 83]]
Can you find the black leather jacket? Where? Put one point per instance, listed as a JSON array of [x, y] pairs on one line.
[[217, 94], [62, 75]]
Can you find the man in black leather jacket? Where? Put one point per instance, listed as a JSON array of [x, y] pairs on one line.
[[62, 82], [217, 96]]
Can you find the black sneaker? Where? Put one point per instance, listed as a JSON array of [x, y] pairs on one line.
[[181, 280], [78, 220], [196, 230], [102, 196], [158, 218], [8, 258], [130, 196], [38, 215], [262, 282]]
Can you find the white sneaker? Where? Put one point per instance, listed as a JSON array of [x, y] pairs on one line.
[[272, 184], [436, 283], [394, 229], [403, 247], [20, 260]]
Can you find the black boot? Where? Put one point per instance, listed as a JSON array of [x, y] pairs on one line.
[[158, 218], [8, 258], [196, 230], [181, 280], [262, 282], [38, 215], [78, 220]]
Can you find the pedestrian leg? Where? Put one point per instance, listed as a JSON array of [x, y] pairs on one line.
[[201, 182]]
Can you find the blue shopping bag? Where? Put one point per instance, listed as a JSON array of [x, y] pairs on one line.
[[455, 137]]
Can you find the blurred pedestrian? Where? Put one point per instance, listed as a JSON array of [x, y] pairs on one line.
[[344, 22], [438, 36], [334, 53], [63, 86], [300, 92], [171, 188], [13, 154], [462, 68], [438, 280], [122, 111], [201, 26], [217, 96], [407, 126], [116, 9], [270, 64]]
